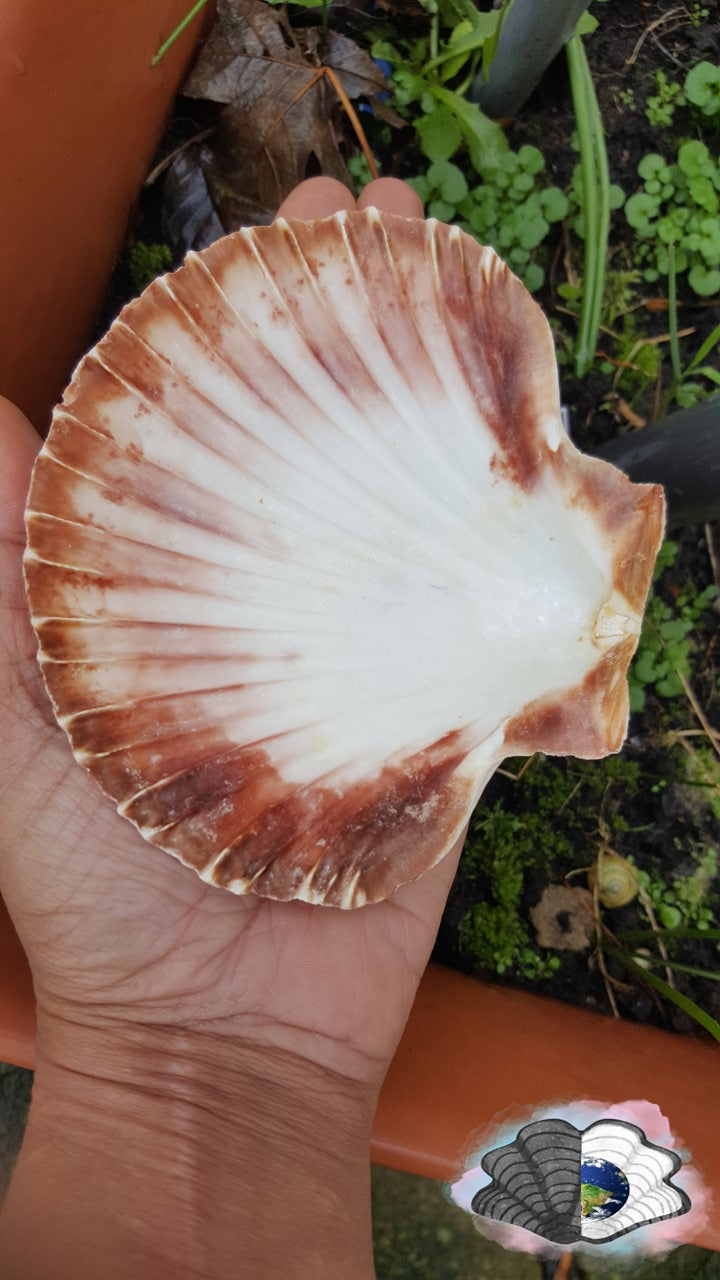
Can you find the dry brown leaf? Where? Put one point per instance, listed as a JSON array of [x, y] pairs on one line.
[[563, 918], [271, 134]]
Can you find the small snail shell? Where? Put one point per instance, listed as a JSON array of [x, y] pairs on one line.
[[617, 882]]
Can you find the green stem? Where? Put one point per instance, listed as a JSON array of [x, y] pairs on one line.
[[434, 32], [167, 44], [596, 200], [672, 317]]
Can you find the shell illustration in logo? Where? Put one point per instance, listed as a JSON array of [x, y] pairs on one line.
[[570, 1185]]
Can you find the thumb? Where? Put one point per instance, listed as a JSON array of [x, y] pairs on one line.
[[19, 675], [19, 444]]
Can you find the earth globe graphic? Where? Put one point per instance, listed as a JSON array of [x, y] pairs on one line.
[[603, 1189]]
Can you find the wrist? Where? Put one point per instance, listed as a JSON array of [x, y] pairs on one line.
[[189, 1154]]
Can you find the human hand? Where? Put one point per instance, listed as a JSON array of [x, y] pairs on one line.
[[138, 965], [115, 931]]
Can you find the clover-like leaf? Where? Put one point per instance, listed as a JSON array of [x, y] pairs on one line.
[[522, 183], [446, 178], [554, 204], [668, 230], [533, 232], [533, 276], [531, 159], [641, 209], [703, 192], [705, 282], [651, 166], [441, 210], [702, 87], [438, 134], [693, 157], [710, 240]]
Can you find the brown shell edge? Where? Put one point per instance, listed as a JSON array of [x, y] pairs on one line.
[[341, 848], [590, 720]]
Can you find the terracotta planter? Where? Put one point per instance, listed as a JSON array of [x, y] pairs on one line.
[[80, 111], [17, 999]]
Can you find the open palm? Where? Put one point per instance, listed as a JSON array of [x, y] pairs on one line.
[[115, 929]]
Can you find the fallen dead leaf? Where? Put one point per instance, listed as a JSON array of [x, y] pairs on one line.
[[563, 918], [277, 126]]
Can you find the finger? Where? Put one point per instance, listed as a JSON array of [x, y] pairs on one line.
[[390, 195], [428, 894], [19, 672], [19, 443], [316, 198]]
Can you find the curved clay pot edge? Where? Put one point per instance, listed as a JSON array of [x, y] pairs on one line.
[[76, 142]]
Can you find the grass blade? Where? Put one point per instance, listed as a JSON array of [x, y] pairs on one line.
[[669, 993], [167, 44], [596, 201], [704, 351], [714, 976], [683, 931]]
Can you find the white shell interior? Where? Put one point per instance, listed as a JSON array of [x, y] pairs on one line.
[[290, 507]]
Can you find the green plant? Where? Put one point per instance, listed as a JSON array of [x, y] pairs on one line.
[[702, 88], [549, 813], [668, 636], [660, 106], [683, 390], [617, 286], [640, 962], [421, 76], [678, 912], [146, 261], [679, 205], [576, 214], [511, 209], [626, 98], [442, 188], [702, 769], [635, 362], [688, 900], [360, 171], [595, 182], [493, 932]]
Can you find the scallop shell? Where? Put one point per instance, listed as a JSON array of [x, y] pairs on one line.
[[538, 1181], [652, 1197], [309, 553]]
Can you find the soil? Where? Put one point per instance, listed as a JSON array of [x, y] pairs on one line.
[[667, 823], [664, 820]]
